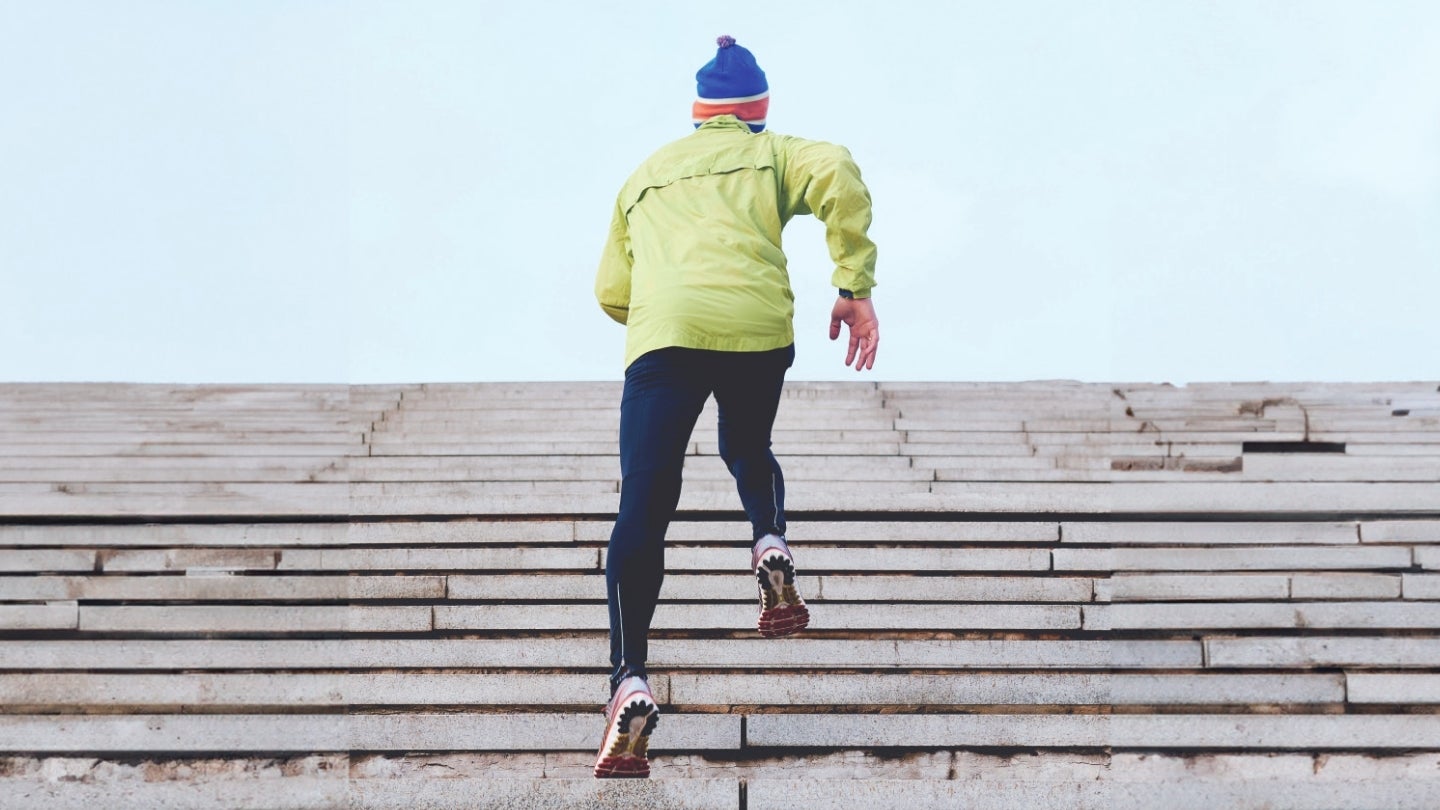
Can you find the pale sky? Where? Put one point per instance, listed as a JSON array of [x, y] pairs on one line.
[[352, 191]]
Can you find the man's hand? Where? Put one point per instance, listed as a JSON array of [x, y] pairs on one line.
[[859, 315]]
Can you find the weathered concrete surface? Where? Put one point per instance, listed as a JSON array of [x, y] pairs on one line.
[[1181, 794], [1260, 604], [1162, 732], [743, 653], [303, 734]]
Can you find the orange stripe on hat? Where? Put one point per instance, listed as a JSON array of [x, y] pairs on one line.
[[745, 111]]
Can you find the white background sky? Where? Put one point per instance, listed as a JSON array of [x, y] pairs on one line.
[[382, 192]]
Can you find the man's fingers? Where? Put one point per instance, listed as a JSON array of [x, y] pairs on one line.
[[854, 348], [866, 360], [834, 328]]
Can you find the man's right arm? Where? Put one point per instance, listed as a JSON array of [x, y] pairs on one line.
[[612, 282]]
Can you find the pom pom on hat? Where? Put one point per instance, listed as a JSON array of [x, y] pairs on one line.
[[731, 83]]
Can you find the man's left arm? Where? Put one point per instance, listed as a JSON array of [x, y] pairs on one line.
[[612, 282]]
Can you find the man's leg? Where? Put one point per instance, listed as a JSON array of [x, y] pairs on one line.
[[663, 397], [748, 395]]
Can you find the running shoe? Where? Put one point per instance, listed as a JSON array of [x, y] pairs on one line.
[[629, 718], [782, 611]]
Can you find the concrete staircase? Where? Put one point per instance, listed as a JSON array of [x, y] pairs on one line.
[[1038, 595]]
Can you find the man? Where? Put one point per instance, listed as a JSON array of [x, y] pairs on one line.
[[693, 268]]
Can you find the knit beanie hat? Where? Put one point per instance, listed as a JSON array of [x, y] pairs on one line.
[[733, 84]]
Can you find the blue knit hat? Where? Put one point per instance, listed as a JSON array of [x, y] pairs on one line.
[[733, 84]]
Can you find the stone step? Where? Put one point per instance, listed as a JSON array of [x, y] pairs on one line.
[[451, 532], [1170, 732], [305, 734], [813, 559], [314, 733], [41, 435], [1247, 498], [1407, 531], [1165, 533], [1246, 587], [1360, 615], [205, 584], [223, 588], [327, 449], [741, 588], [68, 692], [592, 652], [567, 587], [679, 616], [230, 619], [1187, 792], [1233, 558], [51, 616], [1322, 652], [1086, 783]]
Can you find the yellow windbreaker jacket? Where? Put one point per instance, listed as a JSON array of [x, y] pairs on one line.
[[693, 257]]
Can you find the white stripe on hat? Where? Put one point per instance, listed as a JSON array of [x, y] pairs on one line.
[[740, 100]]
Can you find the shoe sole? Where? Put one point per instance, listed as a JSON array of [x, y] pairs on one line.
[[624, 752], [782, 611]]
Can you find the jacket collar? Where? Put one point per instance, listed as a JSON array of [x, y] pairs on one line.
[[726, 121]]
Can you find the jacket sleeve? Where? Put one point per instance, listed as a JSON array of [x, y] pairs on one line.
[[612, 283], [822, 179]]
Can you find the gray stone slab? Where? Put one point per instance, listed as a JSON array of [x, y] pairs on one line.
[[1388, 449], [419, 492], [47, 559], [674, 654], [950, 588], [335, 790], [1208, 587], [1169, 732], [223, 587], [55, 616], [165, 500], [452, 558], [298, 733], [255, 618], [737, 616], [70, 793], [1190, 793], [545, 794], [1031, 689], [1357, 615], [1346, 651], [460, 531], [1400, 531], [1169, 533], [1427, 556], [86, 470], [181, 559], [1345, 586], [1218, 498], [1268, 558], [1388, 687], [1421, 586], [175, 534], [179, 450], [175, 691], [119, 434], [1313, 467]]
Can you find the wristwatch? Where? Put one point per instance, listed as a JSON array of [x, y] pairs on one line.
[[844, 293]]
